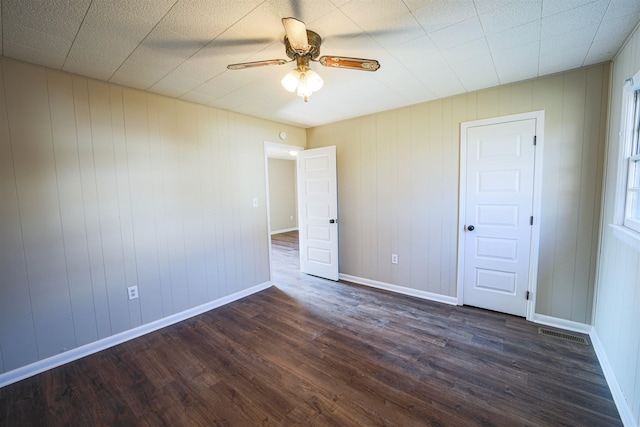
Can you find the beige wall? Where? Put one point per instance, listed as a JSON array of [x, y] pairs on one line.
[[283, 200], [103, 187], [617, 302], [398, 187]]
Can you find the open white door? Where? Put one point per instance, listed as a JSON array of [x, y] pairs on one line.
[[318, 212]]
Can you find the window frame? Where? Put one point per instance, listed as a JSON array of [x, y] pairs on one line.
[[630, 221], [626, 227]]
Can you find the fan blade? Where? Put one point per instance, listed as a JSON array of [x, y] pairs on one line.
[[296, 34], [351, 63], [200, 43], [243, 65]]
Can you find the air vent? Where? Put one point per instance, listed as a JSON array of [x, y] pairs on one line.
[[563, 335]]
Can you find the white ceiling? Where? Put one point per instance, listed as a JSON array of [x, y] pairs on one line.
[[428, 49]]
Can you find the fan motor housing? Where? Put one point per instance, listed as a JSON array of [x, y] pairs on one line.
[[314, 42]]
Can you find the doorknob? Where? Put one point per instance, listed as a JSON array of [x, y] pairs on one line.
[[333, 221], [471, 228]]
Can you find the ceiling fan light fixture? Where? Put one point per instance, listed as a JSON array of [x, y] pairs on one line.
[[303, 45], [302, 80], [310, 82], [290, 80]]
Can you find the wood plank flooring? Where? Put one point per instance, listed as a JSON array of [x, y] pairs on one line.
[[313, 352]]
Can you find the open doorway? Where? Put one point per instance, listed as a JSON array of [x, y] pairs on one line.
[[313, 205], [282, 207], [285, 256], [283, 199]]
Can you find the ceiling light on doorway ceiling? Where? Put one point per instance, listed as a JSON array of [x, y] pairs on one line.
[[302, 80]]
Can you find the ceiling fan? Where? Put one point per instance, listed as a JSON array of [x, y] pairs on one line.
[[303, 46]]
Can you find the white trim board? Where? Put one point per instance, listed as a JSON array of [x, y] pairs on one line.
[[623, 408], [627, 236], [286, 230], [626, 415], [541, 319], [556, 322], [400, 289], [86, 350], [77, 353], [616, 392]]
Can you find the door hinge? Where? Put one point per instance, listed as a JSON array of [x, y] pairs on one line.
[[535, 139], [531, 220], [528, 295]]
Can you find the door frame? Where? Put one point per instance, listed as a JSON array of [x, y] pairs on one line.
[[274, 150], [532, 285]]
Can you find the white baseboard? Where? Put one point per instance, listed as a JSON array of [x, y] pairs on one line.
[[624, 410], [400, 289], [96, 346], [616, 392], [623, 407], [618, 397], [286, 230], [52, 362], [567, 325]]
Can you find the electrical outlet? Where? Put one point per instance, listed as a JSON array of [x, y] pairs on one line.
[[394, 258], [133, 292]]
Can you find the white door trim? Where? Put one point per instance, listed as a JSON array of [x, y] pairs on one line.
[[537, 198]]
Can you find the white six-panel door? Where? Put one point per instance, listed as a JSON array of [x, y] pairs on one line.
[[497, 201], [318, 212]]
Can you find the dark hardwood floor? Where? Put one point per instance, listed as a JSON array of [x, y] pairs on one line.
[[313, 352]]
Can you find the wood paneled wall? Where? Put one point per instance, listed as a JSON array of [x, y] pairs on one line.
[[617, 306], [103, 187], [398, 187]]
